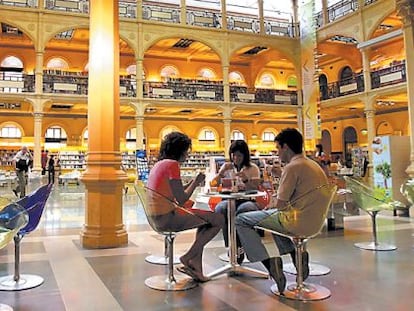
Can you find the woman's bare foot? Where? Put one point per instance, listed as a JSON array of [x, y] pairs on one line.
[[190, 269]]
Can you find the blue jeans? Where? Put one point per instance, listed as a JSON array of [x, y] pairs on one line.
[[251, 240]]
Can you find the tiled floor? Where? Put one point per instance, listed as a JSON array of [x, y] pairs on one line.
[[78, 279]]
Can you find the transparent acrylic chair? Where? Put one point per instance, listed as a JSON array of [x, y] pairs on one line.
[[12, 218], [34, 204], [169, 282], [372, 203], [317, 201]]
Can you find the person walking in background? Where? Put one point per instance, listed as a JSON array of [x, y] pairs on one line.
[[51, 169], [21, 163], [43, 159]]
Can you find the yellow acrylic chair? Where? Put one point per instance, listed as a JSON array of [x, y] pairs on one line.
[[317, 203], [372, 203], [12, 218], [149, 199]]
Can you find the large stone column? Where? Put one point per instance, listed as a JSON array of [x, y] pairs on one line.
[[405, 9], [103, 177]]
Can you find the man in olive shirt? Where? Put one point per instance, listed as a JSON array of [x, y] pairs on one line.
[[299, 176]]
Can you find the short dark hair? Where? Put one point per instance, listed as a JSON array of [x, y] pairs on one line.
[[241, 146], [174, 145], [291, 137]]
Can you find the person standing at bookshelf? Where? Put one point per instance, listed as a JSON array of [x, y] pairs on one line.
[[21, 162], [51, 169]]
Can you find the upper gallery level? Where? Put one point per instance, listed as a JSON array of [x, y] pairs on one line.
[[204, 51]]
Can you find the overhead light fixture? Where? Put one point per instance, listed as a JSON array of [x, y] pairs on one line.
[[254, 136], [364, 132]]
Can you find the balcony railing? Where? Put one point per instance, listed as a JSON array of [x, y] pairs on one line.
[[394, 74], [185, 89], [158, 13], [170, 13], [337, 11]]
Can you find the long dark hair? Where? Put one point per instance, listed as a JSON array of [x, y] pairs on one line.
[[243, 148], [173, 146]]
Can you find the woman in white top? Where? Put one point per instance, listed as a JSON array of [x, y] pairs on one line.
[[247, 173]]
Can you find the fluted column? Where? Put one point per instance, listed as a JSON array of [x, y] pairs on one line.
[[366, 68], [371, 133], [139, 121], [183, 13], [39, 72], [405, 9], [325, 18], [138, 77], [226, 84], [227, 135], [38, 119], [103, 177], [261, 16], [223, 15], [139, 9]]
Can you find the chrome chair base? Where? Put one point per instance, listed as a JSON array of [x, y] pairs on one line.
[[161, 260], [307, 292], [26, 281], [225, 257], [162, 282], [372, 246], [4, 307], [314, 269]]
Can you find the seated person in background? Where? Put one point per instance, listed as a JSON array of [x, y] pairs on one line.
[[247, 175], [165, 179], [299, 176]]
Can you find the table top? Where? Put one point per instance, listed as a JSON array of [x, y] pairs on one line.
[[234, 195]]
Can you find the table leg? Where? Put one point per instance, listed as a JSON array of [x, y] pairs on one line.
[[233, 268]]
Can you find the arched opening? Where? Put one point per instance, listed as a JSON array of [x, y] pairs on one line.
[[326, 142], [323, 87], [350, 139]]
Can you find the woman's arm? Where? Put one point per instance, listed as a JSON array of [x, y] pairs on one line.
[[181, 193]]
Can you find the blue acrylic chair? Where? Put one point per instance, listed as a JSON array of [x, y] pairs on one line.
[[34, 205], [12, 218]]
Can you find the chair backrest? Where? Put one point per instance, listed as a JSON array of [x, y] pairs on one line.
[[366, 198], [34, 204], [151, 200], [12, 218], [305, 217]]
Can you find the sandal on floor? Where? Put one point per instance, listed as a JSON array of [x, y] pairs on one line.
[[195, 275]]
